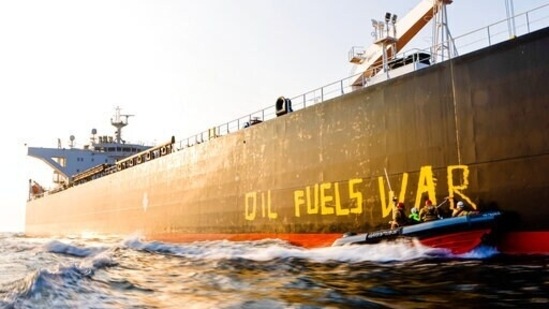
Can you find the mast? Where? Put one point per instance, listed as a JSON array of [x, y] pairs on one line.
[[118, 122], [443, 43]]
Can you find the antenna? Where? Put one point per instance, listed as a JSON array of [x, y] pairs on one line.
[[383, 37], [394, 21], [119, 123]]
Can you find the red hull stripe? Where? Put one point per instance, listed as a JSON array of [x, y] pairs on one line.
[[511, 243], [302, 240], [525, 243]]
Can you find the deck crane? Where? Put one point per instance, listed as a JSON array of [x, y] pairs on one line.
[[369, 62]]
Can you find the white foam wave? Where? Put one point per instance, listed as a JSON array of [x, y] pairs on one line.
[[43, 285], [56, 246], [481, 252], [267, 250], [100, 260]]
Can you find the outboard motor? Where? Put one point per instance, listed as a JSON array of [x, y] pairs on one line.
[[283, 106]]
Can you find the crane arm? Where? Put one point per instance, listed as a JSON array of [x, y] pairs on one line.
[[406, 29]]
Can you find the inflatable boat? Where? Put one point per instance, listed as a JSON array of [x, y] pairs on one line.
[[459, 234]]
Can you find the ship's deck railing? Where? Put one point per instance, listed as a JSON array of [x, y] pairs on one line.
[[498, 32]]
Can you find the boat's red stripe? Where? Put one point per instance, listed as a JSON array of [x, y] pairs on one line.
[[458, 243]]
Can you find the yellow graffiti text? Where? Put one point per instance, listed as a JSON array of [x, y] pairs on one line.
[[255, 200], [325, 199], [426, 185], [455, 189], [355, 195]]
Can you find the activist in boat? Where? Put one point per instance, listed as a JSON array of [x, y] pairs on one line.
[[459, 231]]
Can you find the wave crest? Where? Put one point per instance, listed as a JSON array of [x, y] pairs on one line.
[[56, 246], [267, 250]]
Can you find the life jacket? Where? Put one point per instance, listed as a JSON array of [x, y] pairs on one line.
[[414, 217], [429, 214], [400, 217]]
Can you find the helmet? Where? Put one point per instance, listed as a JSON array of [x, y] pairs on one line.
[[460, 204], [428, 202], [414, 210], [400, 205]]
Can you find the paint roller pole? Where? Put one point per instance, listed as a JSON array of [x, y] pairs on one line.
[[391, 196], [388, 182]]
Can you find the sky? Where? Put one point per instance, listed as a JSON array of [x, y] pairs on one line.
[[179, 66]]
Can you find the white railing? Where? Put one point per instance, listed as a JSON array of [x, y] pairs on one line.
[[498, 32]]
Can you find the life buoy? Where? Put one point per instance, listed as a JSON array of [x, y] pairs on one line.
[[139, 160], [163, 151], [119, 166], [147, 156], [130, 162]]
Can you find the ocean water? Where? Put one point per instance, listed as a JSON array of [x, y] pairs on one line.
[[129, 272]]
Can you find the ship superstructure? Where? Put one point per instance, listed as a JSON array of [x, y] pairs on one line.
[[101, 150]]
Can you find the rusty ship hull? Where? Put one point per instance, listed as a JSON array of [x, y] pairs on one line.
[[474, 127]]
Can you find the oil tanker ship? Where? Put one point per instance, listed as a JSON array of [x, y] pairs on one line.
[[407, 126]]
